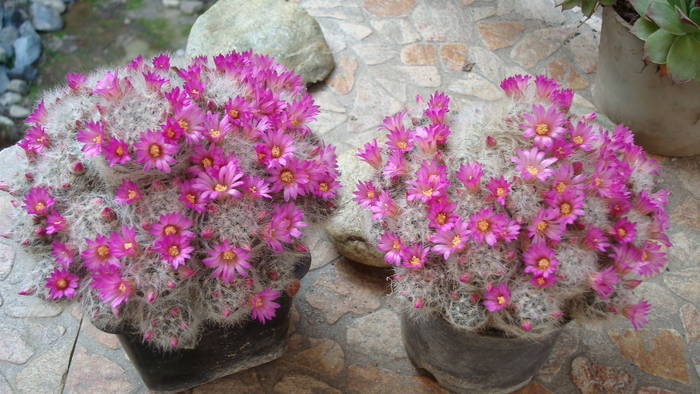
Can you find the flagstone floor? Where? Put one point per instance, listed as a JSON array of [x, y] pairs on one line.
[[345, 335]]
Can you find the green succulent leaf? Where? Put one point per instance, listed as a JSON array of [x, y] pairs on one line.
[[658, 45], [683, 61], [695, 15], [688, 24], [569, 4], [643, 28], [666, 17], [640, 6], [588, 6], [679, 4]]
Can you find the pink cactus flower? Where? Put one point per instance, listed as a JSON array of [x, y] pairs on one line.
[[154, 151], [171, 224], [108, 86], [623, 231], [365, 194], [277, 147], [174, 249], [111, 287], [499, 188], [545, 226], [414, 256], [484, 226], [637, 314], [371, 154], [582, 136], [385, 206], [62, 254], [35, 140], [127, 193], [219, 183], [62, 284], [37, 201], [256, 187], [55, 222], [544, 87], [123, 243], [569, 205], [470, 174], [93, 136], [543, 125], [496, 297], [540, 261], [98, 255], [396, 165], [451, 241], [391, 245], [291, 178], [227, 261], [532, 164], [515, 86], [263, 307], [75, 81], [602, 282], [116, 151], [595, 239], [441, 213]]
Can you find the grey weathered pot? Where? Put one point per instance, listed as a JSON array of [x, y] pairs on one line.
[[221, 351], [465, 362], [664, 115]]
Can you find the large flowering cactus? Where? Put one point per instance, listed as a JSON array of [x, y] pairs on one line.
[[519, 216], [171, 195]]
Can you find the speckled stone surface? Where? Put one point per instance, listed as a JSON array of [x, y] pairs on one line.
[[345, 334]]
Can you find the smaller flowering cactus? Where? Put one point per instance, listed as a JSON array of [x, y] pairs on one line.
[[167, 194], [526, 217]]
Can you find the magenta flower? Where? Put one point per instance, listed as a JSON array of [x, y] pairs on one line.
[[290, 219], [414, 256], [216, 127], [190, 119], [55, 222], [625, 257], [75, 81], [62, 254], [238, 109], [227, 260], [385, 206], [189, 196], [154, 81], [595, 239], [111, 287], [161, 62], [275, 233], [452, 240], [35, 140], [499, 189], [496, 297], [371, 154], [37, 201], [431, 182], [62, 284], [123, 244], [127, 193], [396, 165], [262, 305], [152, 150], [291, 178], [484, 226], [470, 174], [562, 98], [441, 213], [543, 282], [563, 178], [98, 254], [540, 260], [108, 86], [204, 159], [220, 183], [602, 282], [544, 87], [93, 136], [38, 116], [171, 130], [116, 152], [256, 187], [171, 224], [438, 107], [637, 314], [623, 231], [532, 164], [509, 230], [544, 125], [399, 138], [515, 86], [174, 249], [652, 259], [365, 194], [276, 149], [326, 187], [545, 226], [391, 245], [561, 148], [569, 205], [582, 136]]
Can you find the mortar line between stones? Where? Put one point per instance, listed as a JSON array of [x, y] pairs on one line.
[[70, 358]]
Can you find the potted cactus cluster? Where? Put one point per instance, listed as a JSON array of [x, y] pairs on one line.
[[505, 223], [649, 70], [171, 197]]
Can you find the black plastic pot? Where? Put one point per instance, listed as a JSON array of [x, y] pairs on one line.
[[220, 352], [465, 362]]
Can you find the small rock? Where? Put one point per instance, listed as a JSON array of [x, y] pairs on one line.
[[302, 384], [27, 29], [372, 53], [665, 357], [107, 340], [30, 306], [563, 71], [171, 3], [593, 378], [418, 54], [17, 85], [45, 334], [377, 335], [45, 371], [368, 111], [691, 322], [354, 30], [4, 80], [440, 21], [191, 6], [10, 98], [8, 35], [538, 45], [566, 346], [343, 76], [59, 5], [454, 56], [27, 51], [398, 30], [325, 357], [19, 112], [372, 380], [45, 17], [500, 34], [423, 76], [685, 283], [92, 373], [386, 8], [280, 29], [14, 349]]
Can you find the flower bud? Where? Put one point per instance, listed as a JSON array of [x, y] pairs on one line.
[[293, 287], [419, 303], [173, 341], [170, 284], [464, 278], [151, 295], [272, 275], [526, 325], [107, 214], [27, 291], [490, 141], [148, 335], [226, 312], [29, 176], [77, 168]]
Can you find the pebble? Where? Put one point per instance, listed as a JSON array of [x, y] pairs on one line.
[[191, 6], [17, 85], [4, 80], [6, 123], [45, 17], [10, 98], [27, 51], [18, 112], [171, 3], [59, 5]]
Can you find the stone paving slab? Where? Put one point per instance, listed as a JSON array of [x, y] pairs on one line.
[[345, 334]]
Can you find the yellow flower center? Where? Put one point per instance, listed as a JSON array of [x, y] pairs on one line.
[[97, 139], [402, 144], [456, 241], [541, 281], [170, 132], [259, 302], [154, 151], [287, 176], [578, 140], [621, 232], [103, 251], [194, 91], [229, 255], [131, 194], [483, 225], [370, 194], [39, 206], [396, 245], [184, 125], [191, 198], [532, 170], [428, 192], [542, 225], [561, 186], [233, 113], [120, 151], [565, 208], [220, 188], [441, 218], [61, 284], [128, 245], [597, 181], [214, 133], [501, 300], [543, 263], [122, 288], [542, 129], [276, 152], [500, 192], [169, 230], [415, 260], [173, 251], [323, 186]]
